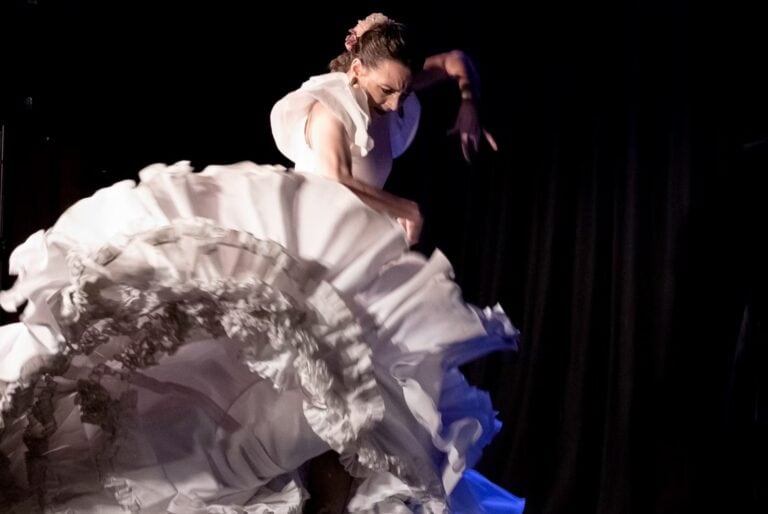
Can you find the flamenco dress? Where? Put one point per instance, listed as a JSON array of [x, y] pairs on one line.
[[188, 341]]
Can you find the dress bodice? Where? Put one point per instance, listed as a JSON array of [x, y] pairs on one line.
[[375, 140]]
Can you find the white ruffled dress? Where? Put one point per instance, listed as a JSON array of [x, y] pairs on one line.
[[189, 341]]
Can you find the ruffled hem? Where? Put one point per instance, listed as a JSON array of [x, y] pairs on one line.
[[270, 499], [295, 329], [370, 335]]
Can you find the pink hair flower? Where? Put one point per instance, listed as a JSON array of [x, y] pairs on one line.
[[362, 27], [350, 40]]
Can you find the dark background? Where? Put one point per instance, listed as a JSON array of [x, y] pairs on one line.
[[620, 224]]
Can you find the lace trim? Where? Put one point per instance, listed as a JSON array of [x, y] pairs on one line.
[[288, 322], [287, 499], [133, 312], [39, 424]]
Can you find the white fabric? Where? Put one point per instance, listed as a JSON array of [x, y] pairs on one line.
[[204, 334], [188, 342], [371, 163]]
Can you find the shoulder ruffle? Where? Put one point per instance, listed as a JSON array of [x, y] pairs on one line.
[[348, 105]]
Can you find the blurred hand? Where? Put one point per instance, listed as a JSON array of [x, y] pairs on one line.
[[469, 129], [412, 228]]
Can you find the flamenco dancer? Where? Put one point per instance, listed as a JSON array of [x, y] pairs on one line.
[[253, 339]]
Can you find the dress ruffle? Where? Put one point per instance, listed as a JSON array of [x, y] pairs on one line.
[[371, 163], [227, 301], [348, 105]]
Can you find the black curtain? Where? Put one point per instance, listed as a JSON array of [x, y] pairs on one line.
[[620, 224]]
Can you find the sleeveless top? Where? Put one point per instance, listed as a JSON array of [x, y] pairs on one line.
[[374, 141]]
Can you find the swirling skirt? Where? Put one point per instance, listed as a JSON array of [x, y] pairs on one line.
[[190, 341]]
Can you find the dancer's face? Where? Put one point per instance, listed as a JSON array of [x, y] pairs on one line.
[[386, 85]]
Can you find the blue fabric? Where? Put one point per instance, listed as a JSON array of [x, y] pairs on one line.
[[475, 494]]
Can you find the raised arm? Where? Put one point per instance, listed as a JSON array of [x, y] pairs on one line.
[[458, 66], [327, 137], [454, 65]]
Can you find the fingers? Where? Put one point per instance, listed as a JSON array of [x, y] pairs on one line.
[[470, 142], [412, 231], [465, 146], [411, 236], [491, 141]]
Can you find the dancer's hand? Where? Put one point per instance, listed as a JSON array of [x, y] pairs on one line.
[[469, 129], [412, 228]]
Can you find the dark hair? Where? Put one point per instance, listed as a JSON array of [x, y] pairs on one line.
[[383, 41]]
